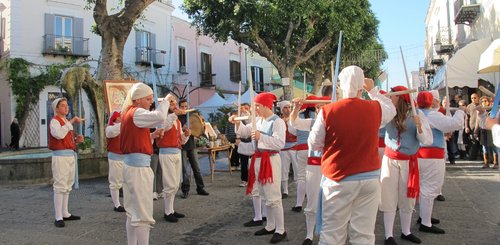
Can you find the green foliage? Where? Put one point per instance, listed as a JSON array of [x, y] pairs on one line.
[[86, 144], [221, 118], [28, 80]]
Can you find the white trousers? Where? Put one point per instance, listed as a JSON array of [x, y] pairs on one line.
[[313, 181], [394, 183], [431, 176], [115, 174], [63, 173], [300, 170], [171, 169], [138, 195], [353, 204]]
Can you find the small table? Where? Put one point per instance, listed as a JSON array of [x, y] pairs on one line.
[[212, 157]]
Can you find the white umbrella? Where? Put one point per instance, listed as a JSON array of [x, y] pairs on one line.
[[490, 58]]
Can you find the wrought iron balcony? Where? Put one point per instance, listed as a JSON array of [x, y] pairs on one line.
[[145, 56], [65, 45], [466, 11], [207, 79], [443, 44], [437, 61]]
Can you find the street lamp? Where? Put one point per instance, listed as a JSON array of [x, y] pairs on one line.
[[437, 46]]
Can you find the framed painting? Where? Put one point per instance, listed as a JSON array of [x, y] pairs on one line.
[[115, 92]]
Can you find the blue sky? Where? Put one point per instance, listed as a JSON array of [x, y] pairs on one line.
[[402, 23]]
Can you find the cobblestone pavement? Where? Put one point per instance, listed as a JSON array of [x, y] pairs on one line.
[[470, 214]]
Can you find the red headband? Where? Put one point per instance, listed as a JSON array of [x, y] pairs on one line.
[[406, 97], [266, 99]]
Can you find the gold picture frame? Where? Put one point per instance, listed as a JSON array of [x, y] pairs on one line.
[[115, 92]]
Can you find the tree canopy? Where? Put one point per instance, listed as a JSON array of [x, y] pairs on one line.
[[286, 32]]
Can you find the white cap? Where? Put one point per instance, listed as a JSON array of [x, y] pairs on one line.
[[137, 91], [54, 104], [283, 103], [435, 94], [351, 80]]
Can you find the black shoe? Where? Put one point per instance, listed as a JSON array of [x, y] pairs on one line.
[[410, 237], [179, 215], [278, 237], [284, 196], [440, 198], [307, 242], [433, 221], [263, 231], [253, 223], [264, 218], [120, 209], [433, 229], [72, 217], [170, 218], [297, 209], [185, 195], [59, 223], [203, 192], [390, 241]]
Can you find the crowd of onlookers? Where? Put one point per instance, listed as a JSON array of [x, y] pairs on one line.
[[474, 142]]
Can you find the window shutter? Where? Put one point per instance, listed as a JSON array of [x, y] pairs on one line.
[[78, 47], [152, 46], [138, 48], [49, 31]]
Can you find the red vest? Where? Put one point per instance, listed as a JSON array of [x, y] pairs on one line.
[[289, 137], [68, 143], [134, 139], [114, 144], [171, 138], [351, 139]]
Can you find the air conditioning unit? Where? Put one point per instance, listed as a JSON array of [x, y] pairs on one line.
[[182, 69]]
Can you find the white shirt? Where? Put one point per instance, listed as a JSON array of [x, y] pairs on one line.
[[113, 131], [275, 142], [496, 135], [58, 131], [316, 139], [446, 124]]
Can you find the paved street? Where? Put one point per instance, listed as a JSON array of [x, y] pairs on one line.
[[470, 214]]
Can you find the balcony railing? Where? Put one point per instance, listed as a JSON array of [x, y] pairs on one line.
[[466, 11], [207, 79], [65, 45], [444, 44], [145, 55]]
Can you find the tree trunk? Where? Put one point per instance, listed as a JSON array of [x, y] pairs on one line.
[[317, 81], [288, 89], [111, 66]]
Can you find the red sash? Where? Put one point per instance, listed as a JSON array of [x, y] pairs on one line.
[[413, 187], [301, 147], [314, 161], [431, 153], [265, 172], [381, 142]]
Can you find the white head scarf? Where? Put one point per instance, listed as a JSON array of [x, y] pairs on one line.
[[54, 104], [137, 91], [283, 103], [435, 95], [351, 79]]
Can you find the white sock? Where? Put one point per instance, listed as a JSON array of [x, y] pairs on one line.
[[284, 186], [301, 192], [264, 207], [257, 209], [142, 235], [168, 201], [405, 222], [310, 223], [131, 235], [115, 196], [279, 219], [65, 211], [58, 205], [389, 223], [426, 205]]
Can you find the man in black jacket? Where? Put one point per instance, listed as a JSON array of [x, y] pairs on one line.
[[189, 152]]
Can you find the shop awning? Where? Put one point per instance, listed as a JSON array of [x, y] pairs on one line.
[[462, 67]]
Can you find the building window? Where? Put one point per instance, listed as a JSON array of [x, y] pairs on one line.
[[64, 33], [182, 59], [144, 44], [234, 71], [206, 69], [258, 78]]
